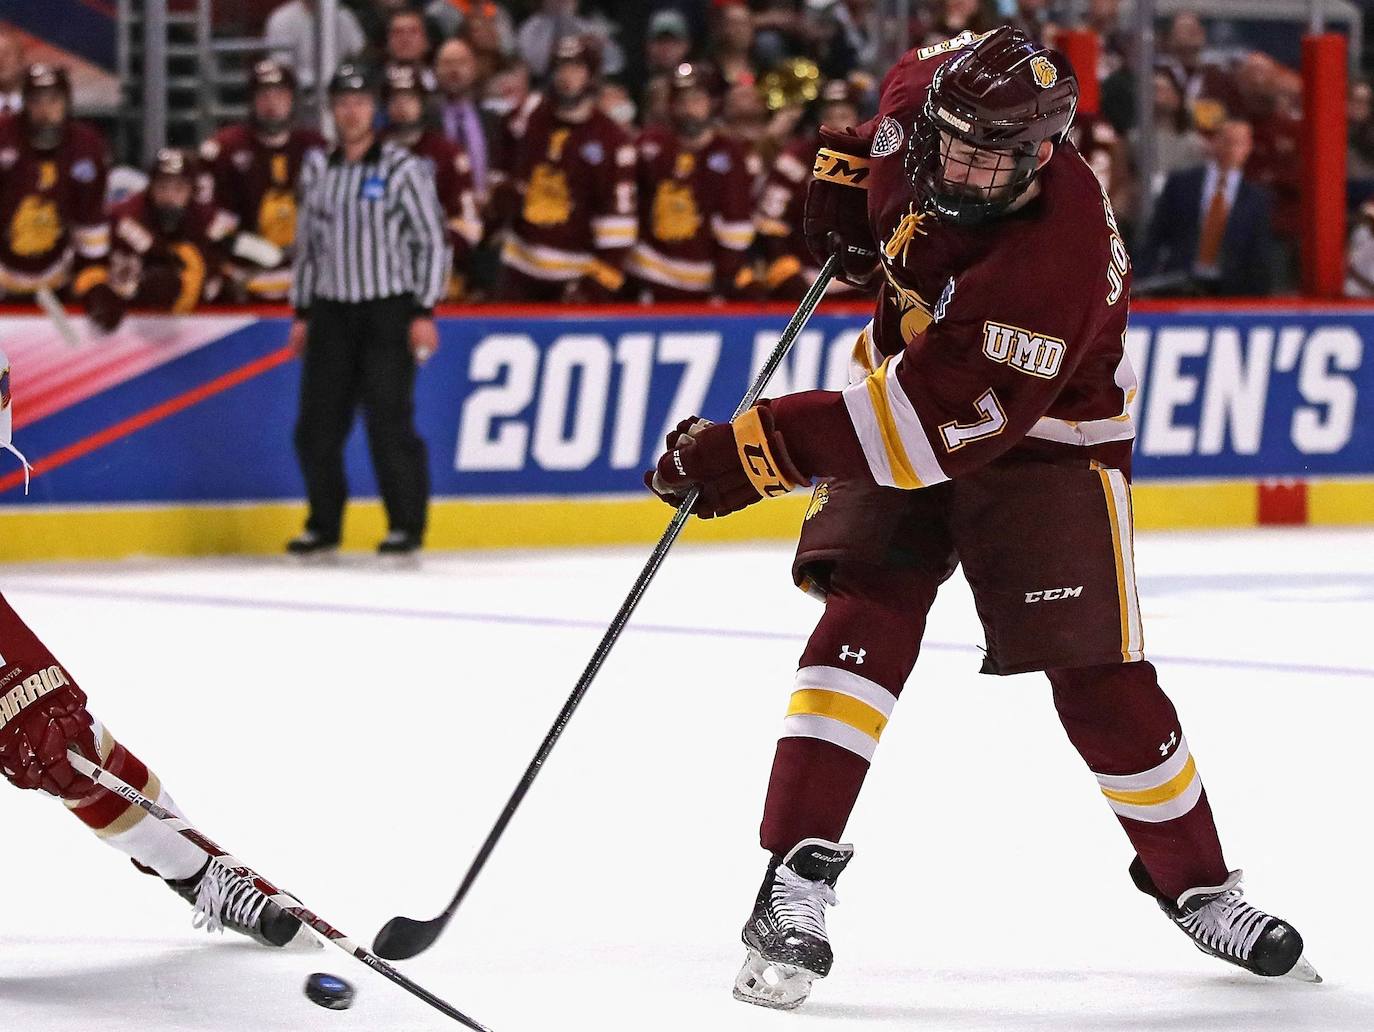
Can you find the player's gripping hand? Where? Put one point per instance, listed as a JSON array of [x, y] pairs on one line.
[[35, 730], [735, 464], [104, 307], [835, 218]]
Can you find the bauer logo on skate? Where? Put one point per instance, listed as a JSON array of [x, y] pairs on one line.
[[33, 687]]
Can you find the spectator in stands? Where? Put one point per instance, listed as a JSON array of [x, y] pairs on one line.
[[507, 90], [453, 18], [570, 197], [1208, 88], [556, 20], [290, 36], [1114, 40], [1210, 233], [667, 43], [11, 72], [407, 38], [52, 190], [1360, 114], [1359, 268], [1271, 99], [951, 17], [1177, 144], [845, 28], [167, 248], [732, 43], [252, 170], [461, 118]]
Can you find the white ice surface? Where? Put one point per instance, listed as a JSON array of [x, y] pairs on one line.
[[353, 731]]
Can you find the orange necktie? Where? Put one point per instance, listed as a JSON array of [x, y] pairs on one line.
[[1213, 227]]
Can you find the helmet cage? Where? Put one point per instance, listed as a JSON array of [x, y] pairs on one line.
[[942, 180]]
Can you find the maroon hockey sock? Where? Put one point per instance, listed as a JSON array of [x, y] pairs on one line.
[[850, 675], [1128, 732]]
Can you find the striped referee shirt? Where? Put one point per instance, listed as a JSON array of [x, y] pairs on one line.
[[369, 229]]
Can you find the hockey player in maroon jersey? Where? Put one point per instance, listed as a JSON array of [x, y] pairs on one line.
[[406, 90], [43, 713], [569, 195], [251, 170], [52, 188], [778, 214], [695, 189], [988, 425], [166, 248]]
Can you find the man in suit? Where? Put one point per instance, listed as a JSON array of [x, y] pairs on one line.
[[1211, 231]]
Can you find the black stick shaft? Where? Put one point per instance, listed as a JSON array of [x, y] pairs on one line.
[[794, 327], [285, 900]]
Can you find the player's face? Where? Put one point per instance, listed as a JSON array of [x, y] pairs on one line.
[[975, 172], [571, 79], [272, 105], [692, 110], [46, 109], [405, 108], [170, 192], [353, 113]]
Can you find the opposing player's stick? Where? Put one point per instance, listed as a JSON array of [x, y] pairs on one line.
[[285, 900], [405, 937]]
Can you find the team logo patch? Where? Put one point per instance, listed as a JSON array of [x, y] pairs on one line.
[[888, 139], [1046, 75], [946, 296], [593, 153], [374, 189], [719, 162], [84, 170]]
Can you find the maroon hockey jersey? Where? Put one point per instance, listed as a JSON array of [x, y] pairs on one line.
[[171, 272], [695, 213], [572, 185], [52, 206], [1003, 337], [256, 183]]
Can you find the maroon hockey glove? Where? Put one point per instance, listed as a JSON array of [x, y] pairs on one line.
[[835, 219], [104, 307], [735, 464], [40, 717]]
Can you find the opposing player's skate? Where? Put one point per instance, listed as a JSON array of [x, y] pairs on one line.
[[1221, 923], [223, 900], [788, 945]]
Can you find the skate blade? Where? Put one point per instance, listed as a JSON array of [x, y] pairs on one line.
[[776, 986], [1303, 971]]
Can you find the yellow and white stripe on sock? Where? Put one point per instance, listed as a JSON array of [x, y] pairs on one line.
[[1160, 794], [839, 707]]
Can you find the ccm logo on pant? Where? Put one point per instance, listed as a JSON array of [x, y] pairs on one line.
[[1050, 594]]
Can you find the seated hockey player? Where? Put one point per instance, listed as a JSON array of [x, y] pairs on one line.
[[43, 712], [166, 248], [991, 390]]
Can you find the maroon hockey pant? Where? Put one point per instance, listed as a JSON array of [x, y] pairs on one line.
[[1116, 715]]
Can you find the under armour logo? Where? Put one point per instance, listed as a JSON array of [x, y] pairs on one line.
[[1166, 746], [857, 655]]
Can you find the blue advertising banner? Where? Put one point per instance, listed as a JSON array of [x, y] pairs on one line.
[[518, 405]]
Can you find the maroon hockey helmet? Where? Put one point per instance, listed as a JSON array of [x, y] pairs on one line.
[[39, 77], [172, 162], [42, 76], [584, 49], [268, 73], [406, 77], [1001, 98]]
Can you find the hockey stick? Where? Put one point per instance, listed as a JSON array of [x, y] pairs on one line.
[[53, 309], [286, 901], [405, 937]]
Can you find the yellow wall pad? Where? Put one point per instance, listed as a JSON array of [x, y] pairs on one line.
[[34, 532]]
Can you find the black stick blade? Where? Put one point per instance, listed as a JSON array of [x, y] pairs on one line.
[[402, 938]]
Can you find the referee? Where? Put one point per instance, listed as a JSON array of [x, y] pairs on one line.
[[373, 262]]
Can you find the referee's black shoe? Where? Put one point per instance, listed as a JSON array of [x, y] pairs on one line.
[[399, 543], [308, 544]]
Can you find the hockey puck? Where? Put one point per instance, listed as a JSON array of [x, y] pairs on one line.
[[329, 991]]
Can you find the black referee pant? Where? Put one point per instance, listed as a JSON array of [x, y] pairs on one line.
[[360, 353]]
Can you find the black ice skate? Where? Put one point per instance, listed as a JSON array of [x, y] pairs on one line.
[[224, 900], [309, 545], [788, 945], [1221, 923]]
